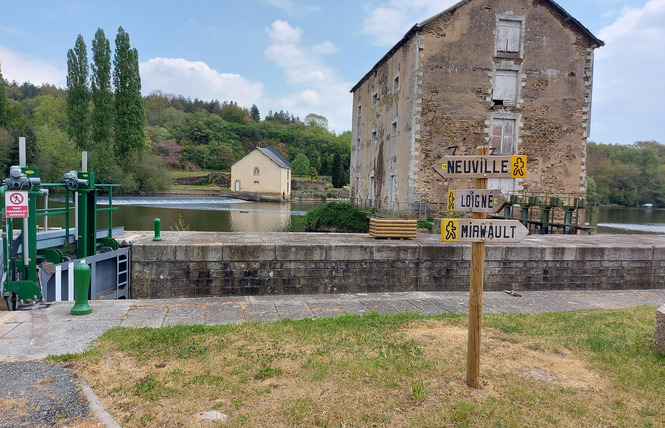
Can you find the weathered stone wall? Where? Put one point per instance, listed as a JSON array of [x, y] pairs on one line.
[[193, 264], [554, 99], [379, 152], [448, 71]]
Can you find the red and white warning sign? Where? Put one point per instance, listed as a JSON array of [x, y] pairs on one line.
[[16, 204]]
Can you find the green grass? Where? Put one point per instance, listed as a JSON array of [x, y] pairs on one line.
[[588, 368]]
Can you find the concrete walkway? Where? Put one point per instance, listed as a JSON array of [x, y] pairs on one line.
[[37, 333]]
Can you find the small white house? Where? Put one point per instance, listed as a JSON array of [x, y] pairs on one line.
[[264, 170]]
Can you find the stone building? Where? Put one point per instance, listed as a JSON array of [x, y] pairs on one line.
[[264, 170], [512, 74]]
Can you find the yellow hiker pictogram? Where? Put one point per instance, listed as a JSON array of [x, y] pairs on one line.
[[449, 230], [518, 166], [450, 202]]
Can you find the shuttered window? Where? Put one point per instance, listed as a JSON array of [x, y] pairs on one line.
[[508, 35], [505, 87]]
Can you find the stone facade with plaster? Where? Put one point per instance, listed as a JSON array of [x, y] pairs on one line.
[[512, 74]]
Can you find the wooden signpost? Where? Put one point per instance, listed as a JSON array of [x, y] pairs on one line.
[[479, 201]]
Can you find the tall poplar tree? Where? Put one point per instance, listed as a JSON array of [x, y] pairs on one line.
[[78, 95], [338, 174], [129, 111], [102, 96]]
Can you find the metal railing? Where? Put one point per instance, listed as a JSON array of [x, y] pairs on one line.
[[385, 208]]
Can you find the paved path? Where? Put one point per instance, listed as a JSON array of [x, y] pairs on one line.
[[37, 333]]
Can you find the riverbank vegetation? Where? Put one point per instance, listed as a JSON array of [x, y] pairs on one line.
[[586, 368], [336, 217], [627, 175]]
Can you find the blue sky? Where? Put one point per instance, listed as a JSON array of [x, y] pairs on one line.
[[305, 55]]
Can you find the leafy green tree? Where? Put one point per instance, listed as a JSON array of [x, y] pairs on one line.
[[300, 164], [317, 120], [312, 173], [57, 153], [129, 111], [78, 96], [627, 175], [155, 105], [254, 113], [50, 111], [230, 112], [223, 157], [3, 101], [102, 95], [7, 152], [338, 174], [143, 172]]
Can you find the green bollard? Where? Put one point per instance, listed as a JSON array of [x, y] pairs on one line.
[[81, 288], [158, 230]]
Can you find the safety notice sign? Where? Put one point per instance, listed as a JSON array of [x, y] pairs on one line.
[[16, 204]]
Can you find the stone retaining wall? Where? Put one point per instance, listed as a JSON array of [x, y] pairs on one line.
[[194, 264]]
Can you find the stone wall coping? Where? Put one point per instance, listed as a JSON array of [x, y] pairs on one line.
[[604, 242]]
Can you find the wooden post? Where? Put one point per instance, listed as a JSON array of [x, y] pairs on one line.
[[476, 294]]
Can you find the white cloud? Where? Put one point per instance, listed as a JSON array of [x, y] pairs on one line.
[[282, 33], [21, 68], [196, 79], [318, 88], [387, 24], [628, 77]]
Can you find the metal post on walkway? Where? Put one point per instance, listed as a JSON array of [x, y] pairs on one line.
[[81, 289], [158, 229]]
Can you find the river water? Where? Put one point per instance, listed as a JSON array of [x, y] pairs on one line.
[[631, 220], [234, 215]]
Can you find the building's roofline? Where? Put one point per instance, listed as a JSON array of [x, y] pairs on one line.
[[565, 16], [275, 156]]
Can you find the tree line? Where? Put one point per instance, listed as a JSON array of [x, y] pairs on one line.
[[136, 141], [191, 134], [626, 175]]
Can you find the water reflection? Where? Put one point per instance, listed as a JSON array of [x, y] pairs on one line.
[[631, 220], [207, 214], [235, 215]]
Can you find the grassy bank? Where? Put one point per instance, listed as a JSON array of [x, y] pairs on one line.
[[590, 368]]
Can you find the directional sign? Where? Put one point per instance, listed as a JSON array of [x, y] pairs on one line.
[[482, 166], [475, 200], [496, 231], [16, 204]]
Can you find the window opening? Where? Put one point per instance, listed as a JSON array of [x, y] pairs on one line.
[[505, 87], [508, 38]]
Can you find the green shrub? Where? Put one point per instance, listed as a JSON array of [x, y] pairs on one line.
[[336, 217]]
